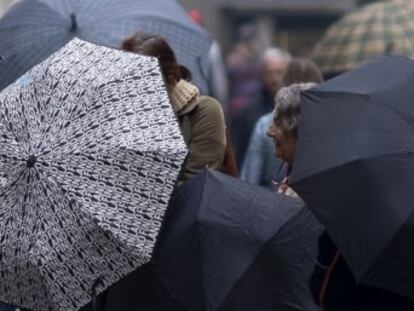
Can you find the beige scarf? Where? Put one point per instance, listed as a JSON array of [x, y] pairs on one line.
[[183, 97]]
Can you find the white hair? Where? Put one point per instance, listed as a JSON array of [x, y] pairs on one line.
[[272, 53], [287, 106]]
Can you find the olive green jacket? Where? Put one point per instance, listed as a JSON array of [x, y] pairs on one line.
[[203, 127]]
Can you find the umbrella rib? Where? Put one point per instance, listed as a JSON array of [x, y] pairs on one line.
[[43, 281], [124, 245], [250, 265], [339, 93], [323, 172], [370, 102], [42, 181], [394, 111], [264, 245], [109, 235]]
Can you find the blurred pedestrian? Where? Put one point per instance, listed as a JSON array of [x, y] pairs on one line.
[[219, 88], [260, 165], [201, 117], [243, 69], [217, 78], [273, 66]]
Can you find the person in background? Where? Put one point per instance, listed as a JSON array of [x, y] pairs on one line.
[[273, 65], [200, 117], [219, 88], [243, 69], [217, 77], [260, 165]]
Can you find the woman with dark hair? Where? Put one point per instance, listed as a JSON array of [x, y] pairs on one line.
[[302, 70], [202, 124], [200, 117]]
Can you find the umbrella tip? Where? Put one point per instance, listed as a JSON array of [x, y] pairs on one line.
[[74, 24], [31, 161]]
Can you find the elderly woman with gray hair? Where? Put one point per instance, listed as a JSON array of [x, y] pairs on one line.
[[332, 283], [284, 128], [260, 165]]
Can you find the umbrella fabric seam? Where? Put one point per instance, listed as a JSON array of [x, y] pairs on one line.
[[348, 163], [255, 258]]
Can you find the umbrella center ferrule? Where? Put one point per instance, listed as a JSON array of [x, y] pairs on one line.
[[74, 24], [31, 161]]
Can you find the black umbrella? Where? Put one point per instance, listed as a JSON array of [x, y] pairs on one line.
[[229, 245], [354, 167], [34, 29]]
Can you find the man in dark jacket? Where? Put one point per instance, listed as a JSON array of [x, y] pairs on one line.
[[274, 63]]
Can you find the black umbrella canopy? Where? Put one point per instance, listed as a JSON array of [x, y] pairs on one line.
[[34, 29], [287, 259], [354, 167], [229, 245]]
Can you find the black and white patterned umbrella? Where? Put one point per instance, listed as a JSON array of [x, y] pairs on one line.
[[33, 29], [90, 150]]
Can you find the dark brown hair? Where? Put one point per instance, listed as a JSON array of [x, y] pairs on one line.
[[154, 45], [302, 70]]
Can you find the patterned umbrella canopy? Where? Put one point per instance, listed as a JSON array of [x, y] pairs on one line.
[[90, 150], [375, 29], [34, 29]]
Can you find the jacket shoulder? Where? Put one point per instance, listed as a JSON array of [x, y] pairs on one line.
[[207, 103]]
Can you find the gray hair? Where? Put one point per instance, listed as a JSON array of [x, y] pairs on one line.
[[287, 106], [272, 53]]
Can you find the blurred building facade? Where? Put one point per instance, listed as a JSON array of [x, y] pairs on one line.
[[295, 25]]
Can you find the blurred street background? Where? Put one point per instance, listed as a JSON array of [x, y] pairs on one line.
[[294, 25], [245, 31]]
